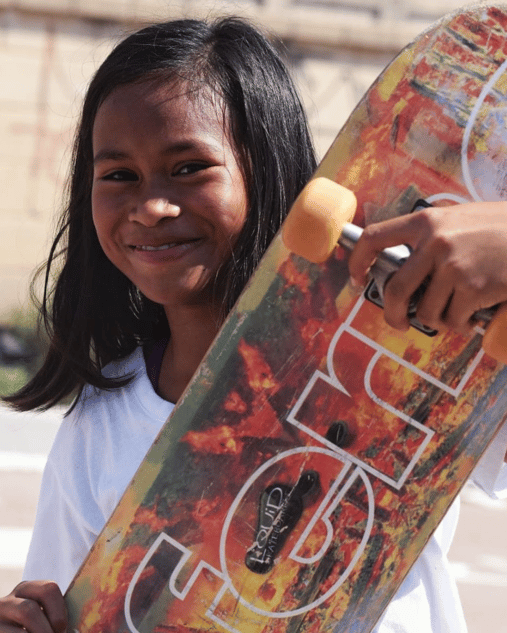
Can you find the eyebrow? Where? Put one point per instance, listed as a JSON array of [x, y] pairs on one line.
[[108, 154], [180, 146]]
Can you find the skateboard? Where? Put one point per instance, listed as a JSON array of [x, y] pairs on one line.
[[317, 449]]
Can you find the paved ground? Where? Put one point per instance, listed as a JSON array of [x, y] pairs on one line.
[[24, 443], [479, 553]]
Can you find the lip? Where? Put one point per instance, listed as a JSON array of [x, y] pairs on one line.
[[170, 250]]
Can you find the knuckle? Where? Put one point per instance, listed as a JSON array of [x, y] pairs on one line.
[[471, 288], [28, 609], [431, 226], [5, 605], [458, 272], [441, 248], [49, 589], [430, 218], [443, 244], [369, 232], [422, 222], [369, 236], [476, 284], [20, 589]]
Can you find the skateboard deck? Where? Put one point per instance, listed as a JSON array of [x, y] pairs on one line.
[[317, 449]]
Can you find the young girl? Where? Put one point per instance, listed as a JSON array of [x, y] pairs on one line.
[[191, 148]]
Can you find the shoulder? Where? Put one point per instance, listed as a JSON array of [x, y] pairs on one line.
[[135, 398], [104, 438], [104, 415], [95, 409]]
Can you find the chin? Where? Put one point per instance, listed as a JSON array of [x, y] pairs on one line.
[[182, 297]]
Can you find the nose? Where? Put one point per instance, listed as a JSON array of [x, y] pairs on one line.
[[152, 205]]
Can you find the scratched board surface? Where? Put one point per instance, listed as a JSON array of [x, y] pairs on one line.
[[317, 449]]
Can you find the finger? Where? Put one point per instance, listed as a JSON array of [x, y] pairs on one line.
[[10, 628], [435, 304], [453, 298], [54, 607], [48, 599], [23, 613], [400, 288], [460, 315], [375, 238]]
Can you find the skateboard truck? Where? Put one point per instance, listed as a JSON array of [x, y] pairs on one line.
[[386, 264]]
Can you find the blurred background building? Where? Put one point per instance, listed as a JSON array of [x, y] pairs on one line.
[[50, 48]]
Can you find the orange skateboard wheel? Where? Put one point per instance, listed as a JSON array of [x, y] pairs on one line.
[[316, 219], [494, 342]]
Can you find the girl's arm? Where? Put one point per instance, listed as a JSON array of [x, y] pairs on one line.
[[36, 607]]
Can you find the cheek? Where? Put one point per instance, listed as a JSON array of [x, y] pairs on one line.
[[232, 225], [98, 223], [104, 212], [96, 215], [239, 204], [237, 221], [104, 225]]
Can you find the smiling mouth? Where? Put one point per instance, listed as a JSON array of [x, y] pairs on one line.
[[163, 247]]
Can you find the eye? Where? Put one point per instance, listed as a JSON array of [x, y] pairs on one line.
[[190, 168], [121, 175]]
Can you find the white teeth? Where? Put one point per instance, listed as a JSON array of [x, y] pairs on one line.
[[164, 247]]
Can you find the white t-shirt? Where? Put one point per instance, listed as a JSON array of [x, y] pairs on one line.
[[99, 447]]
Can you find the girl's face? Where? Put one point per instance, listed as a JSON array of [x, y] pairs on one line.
[[168, 197]]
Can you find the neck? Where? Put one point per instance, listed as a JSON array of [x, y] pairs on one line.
[[192, 332]]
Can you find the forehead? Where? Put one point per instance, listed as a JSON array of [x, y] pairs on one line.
[[161, 105]]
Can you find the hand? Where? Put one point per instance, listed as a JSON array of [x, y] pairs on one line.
[[36, 607], [464, 251]]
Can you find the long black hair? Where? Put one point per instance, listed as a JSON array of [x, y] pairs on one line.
[[93, 313]]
